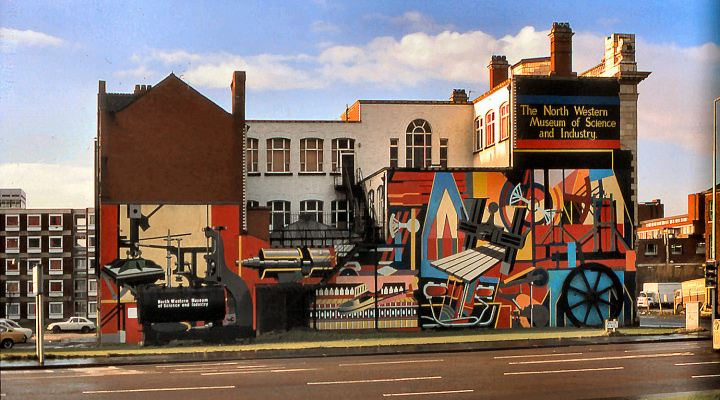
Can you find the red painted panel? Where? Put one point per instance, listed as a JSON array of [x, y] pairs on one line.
[[229, 217]]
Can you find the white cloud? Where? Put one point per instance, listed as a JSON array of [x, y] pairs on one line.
[[50, 185], [11, 39], [412, 21], [325, 27], [676, 100]]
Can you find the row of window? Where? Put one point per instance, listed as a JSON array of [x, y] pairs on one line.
[[311, 154], [34, 244], [34, 222], [55, 288], [651, 249], [12, 310], [485, 128], [55, 266], [418, 151], [281, 213]]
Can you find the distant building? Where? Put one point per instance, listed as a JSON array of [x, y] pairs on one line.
[[63, 242], [651, 210], [671, 249], [12, 198]]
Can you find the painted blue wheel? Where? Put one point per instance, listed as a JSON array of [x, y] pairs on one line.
[[591, 294]]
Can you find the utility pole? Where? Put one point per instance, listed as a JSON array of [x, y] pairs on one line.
[[715, 324], [39, 314]]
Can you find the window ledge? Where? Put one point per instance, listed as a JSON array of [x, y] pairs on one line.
[[254, 174], [278, 174], [320, 173]]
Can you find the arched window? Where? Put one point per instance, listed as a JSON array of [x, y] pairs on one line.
[[478, 133], [490, 128], [312, 210], [504, 121], [418, 144], [279, 213], [311, 155], [278, 155], [251, 149]]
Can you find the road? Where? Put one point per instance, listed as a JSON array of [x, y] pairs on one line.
[[576, 372]]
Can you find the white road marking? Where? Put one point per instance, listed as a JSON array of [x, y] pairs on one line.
[[706, 376], [538, 355], [428, 393], [389, 362], [157, 389], [562, 371], [698, 363], [376, 380], [258, 371], [601, 358], [195, 364], [216, 369]]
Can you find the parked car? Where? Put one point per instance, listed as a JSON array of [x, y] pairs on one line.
[[9, 336], [28, 333], [81, 324]]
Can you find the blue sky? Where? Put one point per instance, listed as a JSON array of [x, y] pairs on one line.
[[308, 59]]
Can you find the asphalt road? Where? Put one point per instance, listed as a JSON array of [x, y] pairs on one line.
[[578, 372]]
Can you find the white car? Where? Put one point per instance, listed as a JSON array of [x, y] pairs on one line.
[[81, 324], [15, 326]]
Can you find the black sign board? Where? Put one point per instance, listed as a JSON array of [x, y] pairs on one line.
[[561, 113]]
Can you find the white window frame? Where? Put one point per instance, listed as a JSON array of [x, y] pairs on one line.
[[80, 265], [77, 218], [91, 242], [30, 288], [10, 270], [80, 241], [55, 227], [337, 151], [92, 309], [9, 310], [37, 249], [55, 315], [9, 227], [31, 312], [34, 227], [92, 288], [336, 212], [311, 146], [252, 150], [7, 244], [277, 212], [55, 249], [55, 293], [32, 262], [55, 271], [283, 149], [9, 293], [312, 208], [394, 148], [418, 128]]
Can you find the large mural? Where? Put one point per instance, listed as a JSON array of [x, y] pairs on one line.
[[478, 249]]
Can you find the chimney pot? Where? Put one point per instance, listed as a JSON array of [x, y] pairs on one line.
[[459, 96], [561, 50], [499, 68]]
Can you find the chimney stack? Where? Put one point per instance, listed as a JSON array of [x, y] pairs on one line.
[[499, 68], [561, 50], [459, 96]]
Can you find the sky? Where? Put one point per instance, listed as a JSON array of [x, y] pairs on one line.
[[307, 60]]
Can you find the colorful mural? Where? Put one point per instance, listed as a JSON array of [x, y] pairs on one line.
[[477, 249]]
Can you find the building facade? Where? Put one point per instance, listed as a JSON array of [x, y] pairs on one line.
[[672, 249], [534, 181], [12, 198], [63, 242]]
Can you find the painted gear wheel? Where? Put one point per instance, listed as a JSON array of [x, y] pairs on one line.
[[591, 294]]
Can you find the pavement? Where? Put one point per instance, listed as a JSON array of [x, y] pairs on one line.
[[194, 353]]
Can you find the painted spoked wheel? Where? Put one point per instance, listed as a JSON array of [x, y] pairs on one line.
[[591, 294]]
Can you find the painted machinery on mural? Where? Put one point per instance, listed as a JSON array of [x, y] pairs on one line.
[[211, 308], [477, 249]]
